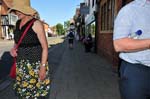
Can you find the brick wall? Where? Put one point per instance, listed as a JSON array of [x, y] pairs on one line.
[[106, 49]]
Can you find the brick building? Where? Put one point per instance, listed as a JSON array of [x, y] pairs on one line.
[[107, 11], [4, 18], [8, 21]]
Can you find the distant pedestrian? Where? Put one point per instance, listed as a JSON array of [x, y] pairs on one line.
[[132, 41], [32, 73], [70, 37]]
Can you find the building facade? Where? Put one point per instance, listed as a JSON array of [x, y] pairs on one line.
[[8, 21], [102, 14], [91, 19], [107, 12], [5, 25]]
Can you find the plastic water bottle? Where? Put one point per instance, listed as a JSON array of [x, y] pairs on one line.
[[136, 34]]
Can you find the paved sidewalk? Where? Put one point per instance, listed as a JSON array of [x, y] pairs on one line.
[[77, 75], [83, 75], [5, 45], [56, 49]]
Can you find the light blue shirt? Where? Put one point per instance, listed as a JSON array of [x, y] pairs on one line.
[[134, 16]]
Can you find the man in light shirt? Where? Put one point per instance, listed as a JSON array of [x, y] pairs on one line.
[[135, 53]]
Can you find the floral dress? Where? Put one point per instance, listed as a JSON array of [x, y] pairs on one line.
[[27, 84]]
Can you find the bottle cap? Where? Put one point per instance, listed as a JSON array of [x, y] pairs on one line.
[[139, 32]]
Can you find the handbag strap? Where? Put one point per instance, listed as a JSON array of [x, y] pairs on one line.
[[24, 33]]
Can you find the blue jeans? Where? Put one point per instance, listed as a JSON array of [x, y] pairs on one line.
[[134, 81]]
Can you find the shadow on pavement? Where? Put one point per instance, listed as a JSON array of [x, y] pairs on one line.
[[5, 65], [54, 57]]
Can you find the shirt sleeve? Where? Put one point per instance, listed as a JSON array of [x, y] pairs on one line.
[[122, 24]]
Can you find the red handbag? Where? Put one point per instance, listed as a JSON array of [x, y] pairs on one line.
[[12, 73]]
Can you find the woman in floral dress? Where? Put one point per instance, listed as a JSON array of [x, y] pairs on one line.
[[32, 71]]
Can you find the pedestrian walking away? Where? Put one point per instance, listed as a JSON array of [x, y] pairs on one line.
[[32, 72], [70, 37], [132, 40]]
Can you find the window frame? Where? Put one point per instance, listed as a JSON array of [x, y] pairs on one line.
[[107, 11]]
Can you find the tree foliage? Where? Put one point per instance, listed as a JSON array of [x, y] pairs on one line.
[[66, 25], [59, 29]]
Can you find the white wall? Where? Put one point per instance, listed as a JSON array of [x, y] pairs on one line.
[[90, 17]]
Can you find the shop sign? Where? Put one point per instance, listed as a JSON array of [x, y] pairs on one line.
[[90, 19]]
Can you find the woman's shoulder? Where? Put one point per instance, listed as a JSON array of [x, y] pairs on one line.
[[38, 22], [38, 26]]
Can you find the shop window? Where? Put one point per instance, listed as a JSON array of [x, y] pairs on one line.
[[107, 14]]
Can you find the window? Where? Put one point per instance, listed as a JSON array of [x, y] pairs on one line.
[[107, 14]]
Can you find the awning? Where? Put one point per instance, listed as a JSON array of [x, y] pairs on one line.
[[89, 19]]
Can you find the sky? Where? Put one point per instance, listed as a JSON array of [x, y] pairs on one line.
[[56, 11]]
